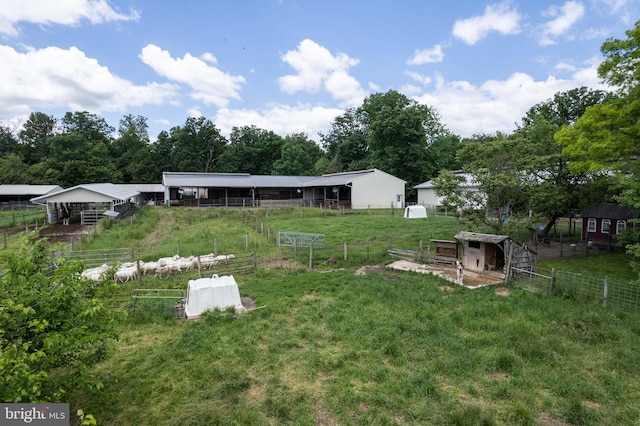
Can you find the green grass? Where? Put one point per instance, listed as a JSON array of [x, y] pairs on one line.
[[331, 347], [614, 266], [390, 348]]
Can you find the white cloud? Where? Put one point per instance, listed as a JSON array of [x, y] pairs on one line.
[[47, 12], [316, 68], [427, 56], [67, 78], [623, 8], [497, 105], [210, 85], [497, 17], [281, 119], [564, 18], [422, 79]]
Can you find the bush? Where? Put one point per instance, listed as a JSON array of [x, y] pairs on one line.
[[52, 326]]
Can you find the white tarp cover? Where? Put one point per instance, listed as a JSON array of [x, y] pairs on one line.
[[206, 294], [415, 212]]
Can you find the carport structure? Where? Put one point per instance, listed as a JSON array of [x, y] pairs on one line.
[[87, 203]]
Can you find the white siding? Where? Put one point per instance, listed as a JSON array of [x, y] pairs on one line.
[[377, 190]]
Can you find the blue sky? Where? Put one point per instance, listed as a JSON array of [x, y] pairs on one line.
[[294, 65]]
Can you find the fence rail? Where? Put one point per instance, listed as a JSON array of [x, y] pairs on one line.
[[92, 258]]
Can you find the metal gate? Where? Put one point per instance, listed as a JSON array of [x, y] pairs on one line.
[[300, 239]]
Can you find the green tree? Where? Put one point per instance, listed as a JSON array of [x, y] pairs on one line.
[[36, 135], [198, 146], [346, 143], [8, 141], [399, 131], [442, 154], [132, 152], [607, 136], [52, 328], [251, 150], [161, 152], [81, 153], [298, 156], [14, 171]]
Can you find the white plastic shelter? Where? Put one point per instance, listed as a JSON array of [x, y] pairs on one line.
[[206, 294], [415, 212]]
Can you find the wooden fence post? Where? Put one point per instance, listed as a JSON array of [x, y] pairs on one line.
[[345, 250], [215, 246], [246, 241], [311, 256], [606, 292], [561, 245]]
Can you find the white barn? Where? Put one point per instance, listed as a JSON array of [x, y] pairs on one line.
[[362, 189], [87, 203], [427, 195]]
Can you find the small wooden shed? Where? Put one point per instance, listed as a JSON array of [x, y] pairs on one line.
[[483, 252]]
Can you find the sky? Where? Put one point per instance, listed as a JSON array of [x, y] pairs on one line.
[[293, 66]]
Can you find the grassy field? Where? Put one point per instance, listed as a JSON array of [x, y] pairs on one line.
[[331, 347]]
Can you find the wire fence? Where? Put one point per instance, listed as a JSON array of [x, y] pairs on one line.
[[610, 293]]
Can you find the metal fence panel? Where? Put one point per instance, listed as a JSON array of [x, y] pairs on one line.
[[300, 239]]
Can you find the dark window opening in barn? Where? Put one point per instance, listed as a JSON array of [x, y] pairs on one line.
[[474, 244], [606, 226]]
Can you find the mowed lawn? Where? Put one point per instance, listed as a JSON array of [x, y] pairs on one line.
[[334, 347]]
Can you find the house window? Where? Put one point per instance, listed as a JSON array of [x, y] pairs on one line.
[[474, 244], [621, 225], [606, 226], [591, 225]]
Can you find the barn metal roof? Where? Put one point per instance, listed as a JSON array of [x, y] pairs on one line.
[[246, 180], [232, 180], [338, 178], [15, 190], [102, 190], [485, 238], [143, 187]]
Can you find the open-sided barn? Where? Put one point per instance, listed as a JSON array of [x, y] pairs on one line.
[[87, 203], [353, 190]]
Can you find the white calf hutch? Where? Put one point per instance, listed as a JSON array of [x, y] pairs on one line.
[[207, 294]]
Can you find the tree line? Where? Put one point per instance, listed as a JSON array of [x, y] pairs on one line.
[[81, 147]]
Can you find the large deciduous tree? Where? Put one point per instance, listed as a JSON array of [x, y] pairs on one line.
[[132, 151], [251, 150], [81, 153], [198, 145], [298, 156], [399, 131], [346, 144]]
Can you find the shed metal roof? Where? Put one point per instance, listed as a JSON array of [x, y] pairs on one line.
[[468, 181], [610, 211], [15, 190], [103, 190], [485, 238], [338, 178]]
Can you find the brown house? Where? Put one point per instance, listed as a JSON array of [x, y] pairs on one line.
[[602, 222]]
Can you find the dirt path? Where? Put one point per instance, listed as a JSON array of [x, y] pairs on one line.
[[163, 229]]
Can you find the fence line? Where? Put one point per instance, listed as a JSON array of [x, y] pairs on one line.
[[613, 294]]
